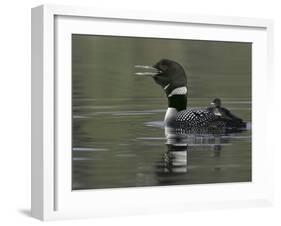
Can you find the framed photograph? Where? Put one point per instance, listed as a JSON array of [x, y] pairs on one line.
[[138, 112]]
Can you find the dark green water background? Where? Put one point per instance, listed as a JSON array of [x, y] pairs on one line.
[[116, 118]]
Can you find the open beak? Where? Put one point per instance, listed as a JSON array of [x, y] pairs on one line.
[[147, 70]]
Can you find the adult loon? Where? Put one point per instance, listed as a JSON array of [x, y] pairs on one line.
[[172, 78]]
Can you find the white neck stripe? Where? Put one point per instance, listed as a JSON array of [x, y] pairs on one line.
[[178, 91]]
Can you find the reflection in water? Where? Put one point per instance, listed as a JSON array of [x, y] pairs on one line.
[[179, 146], [176, 158]]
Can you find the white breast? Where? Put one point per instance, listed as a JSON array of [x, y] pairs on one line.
[[170, 117]]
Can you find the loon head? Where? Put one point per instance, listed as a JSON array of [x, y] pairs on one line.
[[216, 103], [215, 107], [169, 74]]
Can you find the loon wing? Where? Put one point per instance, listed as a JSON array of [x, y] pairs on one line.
[[195, 117]]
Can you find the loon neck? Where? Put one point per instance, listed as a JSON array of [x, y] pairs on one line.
[[177, 101]]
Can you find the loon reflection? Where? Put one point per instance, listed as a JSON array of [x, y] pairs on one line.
[[185, 128], [180, 144]]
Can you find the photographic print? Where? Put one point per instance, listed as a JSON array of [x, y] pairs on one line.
[[158, 112]]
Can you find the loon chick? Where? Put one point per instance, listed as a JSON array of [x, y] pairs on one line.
[[172, 78], [225, 115]]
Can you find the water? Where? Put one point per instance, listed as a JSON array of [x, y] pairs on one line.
[[118, 134]]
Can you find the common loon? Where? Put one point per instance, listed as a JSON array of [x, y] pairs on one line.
[[172, 78]]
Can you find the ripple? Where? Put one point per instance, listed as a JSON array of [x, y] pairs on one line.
[[151, 138], [122, 113], [84, 159], [158, 124], [88, 149]]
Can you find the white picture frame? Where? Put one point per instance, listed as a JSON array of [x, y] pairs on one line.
[[52, 197]]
